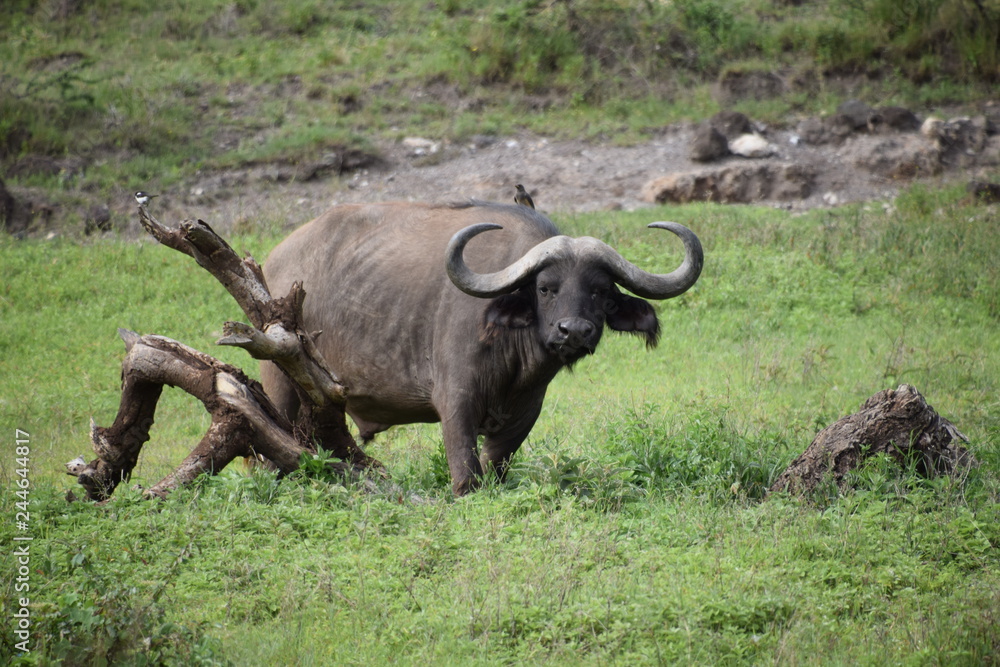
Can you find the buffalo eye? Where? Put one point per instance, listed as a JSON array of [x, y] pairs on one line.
[[545, 290]]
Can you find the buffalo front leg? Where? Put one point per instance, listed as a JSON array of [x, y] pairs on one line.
[[460, 448]]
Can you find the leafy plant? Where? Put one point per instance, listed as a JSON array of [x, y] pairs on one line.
[[101, 620]]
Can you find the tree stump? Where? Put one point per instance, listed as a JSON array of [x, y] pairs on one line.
[[896, 422]]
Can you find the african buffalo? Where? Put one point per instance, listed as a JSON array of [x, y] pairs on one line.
[[418, 336]]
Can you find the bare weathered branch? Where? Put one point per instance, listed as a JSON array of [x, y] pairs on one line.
[[227, 438], [244, 421], [276, 334], [274, 442]]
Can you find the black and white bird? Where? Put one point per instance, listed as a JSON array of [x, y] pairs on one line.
[[143, 198], [522, 197]]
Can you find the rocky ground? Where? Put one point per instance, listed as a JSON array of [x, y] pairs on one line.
[[860, 153]]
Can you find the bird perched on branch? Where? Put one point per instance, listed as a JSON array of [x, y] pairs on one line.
[[143, 198], [522, 197]]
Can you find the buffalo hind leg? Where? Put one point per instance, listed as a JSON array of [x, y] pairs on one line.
[[498, 451], [329, 428], [279, 389]]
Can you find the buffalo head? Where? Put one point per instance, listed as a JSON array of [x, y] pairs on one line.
[[568, 288]]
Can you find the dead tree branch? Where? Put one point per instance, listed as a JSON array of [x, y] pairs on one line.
[[240, 411], [276, 334], [244, 421]]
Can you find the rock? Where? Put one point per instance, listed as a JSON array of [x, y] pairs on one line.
[[830, 130], [812, 131], [893, 118], [901, 157], [354, 159], [959, 140], [984, 193], [419, 146], [731, 124], [739, 184], [931, 127], [277, 173], [853, 116], [795, 182], [755, 85], [839, 126], [483, 140], [708, 144], [329, 162], [339, 162], [857, 112], [97, 219], [897, 423], [964, 134], [752, 145]]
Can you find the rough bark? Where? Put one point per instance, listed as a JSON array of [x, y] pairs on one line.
[[896, 422], [276, 333], [244, 421]]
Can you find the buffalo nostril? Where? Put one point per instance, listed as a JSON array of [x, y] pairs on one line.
[[576, 331]]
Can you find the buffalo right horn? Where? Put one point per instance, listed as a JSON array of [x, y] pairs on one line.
[[505, 281]]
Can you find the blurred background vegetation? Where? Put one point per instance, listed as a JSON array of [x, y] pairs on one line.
[[94, 92]]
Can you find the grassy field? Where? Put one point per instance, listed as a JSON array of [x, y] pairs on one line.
[[634, 527]]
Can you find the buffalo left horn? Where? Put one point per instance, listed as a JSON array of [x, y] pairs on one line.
[[639, 282], [652, 285]]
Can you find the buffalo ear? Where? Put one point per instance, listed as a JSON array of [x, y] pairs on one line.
[[510, 311], [635, 316]]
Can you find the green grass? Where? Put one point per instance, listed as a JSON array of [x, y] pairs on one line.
[[633, 527]]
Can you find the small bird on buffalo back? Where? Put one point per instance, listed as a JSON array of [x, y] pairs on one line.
[[143, 198], [522, 197]]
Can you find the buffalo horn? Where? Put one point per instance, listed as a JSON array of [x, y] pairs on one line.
[[641, 283], [654, 285], [505, 281]]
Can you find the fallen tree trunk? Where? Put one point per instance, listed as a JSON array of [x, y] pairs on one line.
[[244, 421], [896, 422]]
